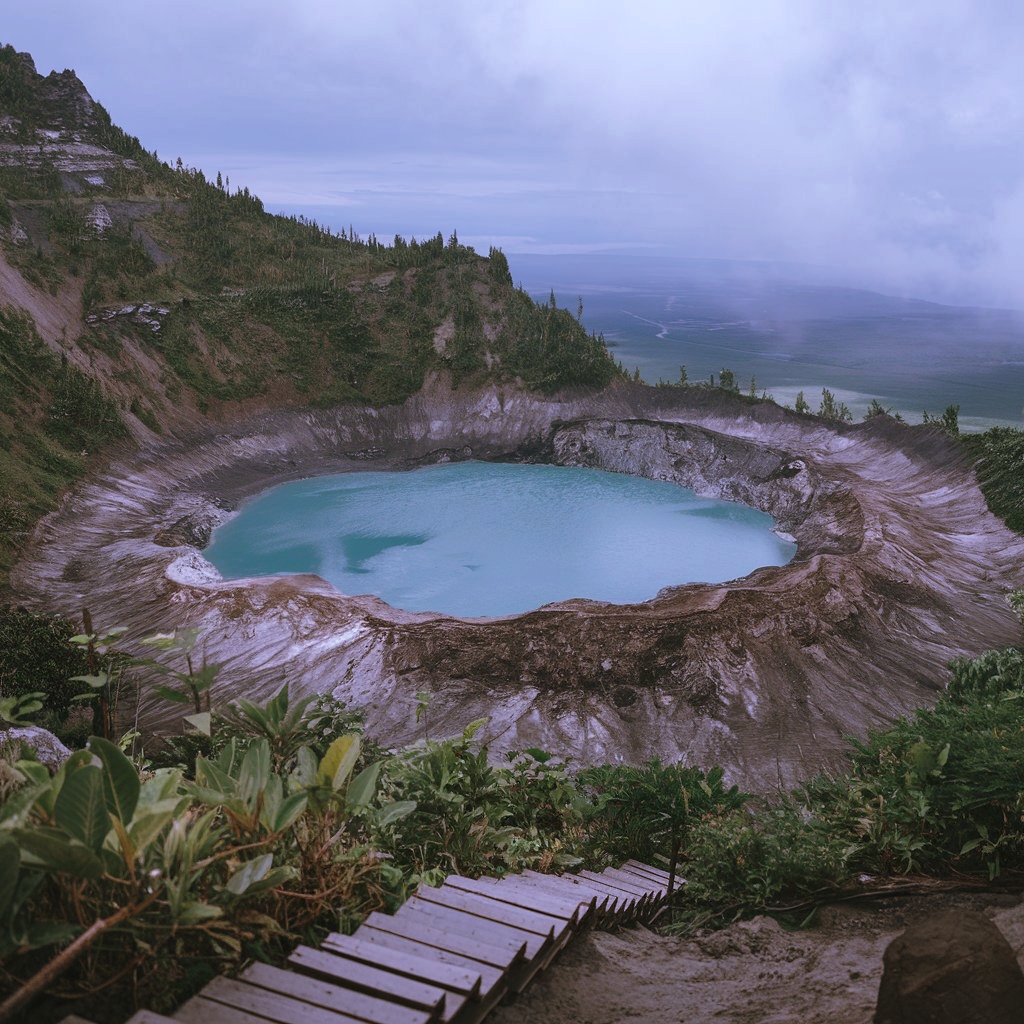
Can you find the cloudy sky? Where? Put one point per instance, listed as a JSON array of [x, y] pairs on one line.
[[883, 139]]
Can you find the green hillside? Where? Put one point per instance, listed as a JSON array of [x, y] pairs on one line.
[[179, 298]]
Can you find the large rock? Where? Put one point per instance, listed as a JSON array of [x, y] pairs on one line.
[[48, 749], [953, 968]]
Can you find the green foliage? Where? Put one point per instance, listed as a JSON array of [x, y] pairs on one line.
[[548, 348], [949, 421], [877, 409], [727, 380], [801, 405], [193, 685], [36, 656], [475, 817], [647, 811], [830, 409], [1000, 467], [498, 268], [939, 793], [219, 869]]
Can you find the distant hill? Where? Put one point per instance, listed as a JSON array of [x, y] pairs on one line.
[[139, 298]]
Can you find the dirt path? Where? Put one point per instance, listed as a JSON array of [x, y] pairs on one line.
[[754, 972]]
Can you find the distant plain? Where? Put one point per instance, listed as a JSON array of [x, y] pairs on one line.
[[791, 329]]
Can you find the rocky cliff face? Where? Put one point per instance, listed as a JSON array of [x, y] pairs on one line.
[[900, 567]]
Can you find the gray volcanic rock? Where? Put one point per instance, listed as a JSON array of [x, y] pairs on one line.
[[48, 748], [899, 568]]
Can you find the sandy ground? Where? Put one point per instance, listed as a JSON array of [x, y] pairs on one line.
[[754, 972]]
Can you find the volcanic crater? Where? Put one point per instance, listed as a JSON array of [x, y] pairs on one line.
[[899, 568]]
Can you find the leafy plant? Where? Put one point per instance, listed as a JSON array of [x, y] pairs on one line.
[[105, 666], [193, 684]]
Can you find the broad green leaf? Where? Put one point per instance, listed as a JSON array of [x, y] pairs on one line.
[[15, 810], [254, 773], [81, 809], [51, 849], [249, 873], [203, 722], [150, 821], [212, 776], [340, 759], [195, 912], [395, 811], [96, 682], [163, 784], [33, 771], [120, 779], [306, 772], [289, 811], [364, 786], [272, 794]]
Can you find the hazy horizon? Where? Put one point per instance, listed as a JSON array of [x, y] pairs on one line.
[[880, 146]]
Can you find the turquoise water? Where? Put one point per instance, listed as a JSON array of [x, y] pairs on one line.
[[478, 539]]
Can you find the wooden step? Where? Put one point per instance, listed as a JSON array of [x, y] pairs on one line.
[[467, 1000], [560, 888], [340, 976], [614, 901], [503, 953], [640, 896], [612, 876], [227, 994], [491, 977], [472, 926], [654, 888], [649, 869], [491, 909], [433, 972], [507, 891]]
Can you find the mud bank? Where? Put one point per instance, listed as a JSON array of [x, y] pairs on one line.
[[899, 568]]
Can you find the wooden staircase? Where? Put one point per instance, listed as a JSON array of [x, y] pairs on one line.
[[448, 955]]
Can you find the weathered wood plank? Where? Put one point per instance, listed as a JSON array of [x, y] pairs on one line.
[[466, 926], [560, 894], [490, 909], [273, 1006], [623, 903], [648, 868], [656, 889], [571, 884], [491, 978], [471, 926], [643, 876], [205, 1011], [506, 891], [432, 971], [345, 975], [641, 896], [566, 886], [613, 877], [501, 954]]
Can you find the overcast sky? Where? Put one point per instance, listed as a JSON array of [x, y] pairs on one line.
[[885, 139]]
